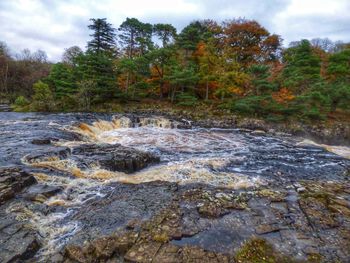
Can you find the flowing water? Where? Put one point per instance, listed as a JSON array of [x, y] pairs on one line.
[[229, 158]]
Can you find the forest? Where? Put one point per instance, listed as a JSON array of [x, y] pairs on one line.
[[236, 66]]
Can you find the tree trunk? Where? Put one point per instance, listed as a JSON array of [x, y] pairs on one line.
[[173, 94], [334, 105], [127, 82], [131, 47], [5, 79], [161, 89], [161, 75], [133, 92], [207, 90]]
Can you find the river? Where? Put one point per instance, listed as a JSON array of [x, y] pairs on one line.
[[96, 196]]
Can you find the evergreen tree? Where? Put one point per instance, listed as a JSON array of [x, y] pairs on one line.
[[165, 32], [182, 79], [100, 69], [135, 37], [191, 35], [338, 73], [62, 79], [302, 67], [259, 75], [103, 36]]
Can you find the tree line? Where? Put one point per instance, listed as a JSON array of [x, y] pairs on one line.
[[236, 65]]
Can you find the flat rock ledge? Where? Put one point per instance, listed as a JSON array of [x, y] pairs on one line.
[[12, 181]]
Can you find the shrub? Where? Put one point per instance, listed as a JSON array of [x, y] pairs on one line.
[[86, 94], [43, 98], [185, 99], [21, 104], [21, 101]]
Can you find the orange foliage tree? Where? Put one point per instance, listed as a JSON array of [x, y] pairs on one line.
[[283, 96], [250, 42]]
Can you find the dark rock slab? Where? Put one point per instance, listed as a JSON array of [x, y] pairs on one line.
[[12, 181], [48, 154], [17, 242], [113, 157], [41, 192], [126, 202], [41, 141]]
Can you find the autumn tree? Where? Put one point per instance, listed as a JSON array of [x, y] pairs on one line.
[[26, 69], [191, 35], [249, 42], [161, 61], [232, 79], [4, 67], [71, 54], [207, 62]]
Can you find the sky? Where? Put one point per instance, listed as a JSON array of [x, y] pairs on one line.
[[53, 25]]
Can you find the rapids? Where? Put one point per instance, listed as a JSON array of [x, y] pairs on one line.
[[229, 158]]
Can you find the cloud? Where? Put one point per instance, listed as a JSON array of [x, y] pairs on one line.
[[55, 25]]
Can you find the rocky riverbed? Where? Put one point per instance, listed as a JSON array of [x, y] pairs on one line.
[[145, 188]]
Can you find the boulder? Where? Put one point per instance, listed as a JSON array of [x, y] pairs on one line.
[[12, 181], [113, 157]]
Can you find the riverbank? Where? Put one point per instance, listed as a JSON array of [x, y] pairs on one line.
[[334, 130]]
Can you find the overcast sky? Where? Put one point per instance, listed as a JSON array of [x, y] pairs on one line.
[[53, 25]]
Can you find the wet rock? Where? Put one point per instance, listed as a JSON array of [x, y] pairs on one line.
[[272, 195], [214, 204], [253, 124], [17, 242], [133, 249], [196, 254], [76, 253], [41, 192], [48, 154], [113, 157], [259, 250], [41, 141], [212, 210], [266, 228], [143, 251], [5, 108], [12, 181], [258, 132], [169, 253], [102, 249], [126, 202]]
